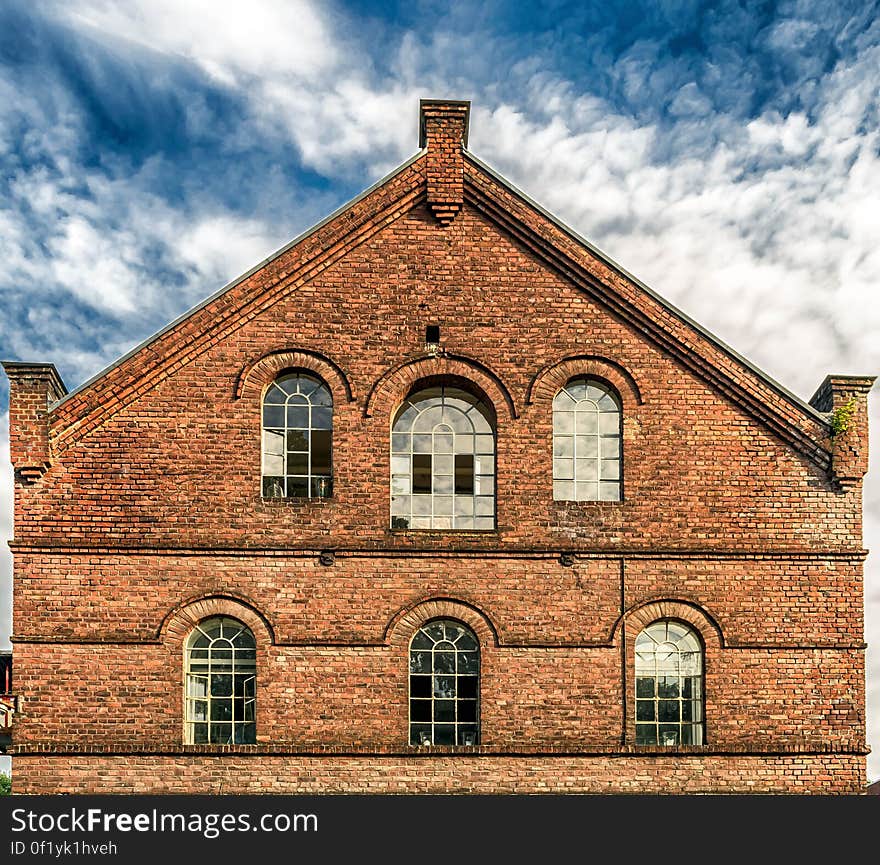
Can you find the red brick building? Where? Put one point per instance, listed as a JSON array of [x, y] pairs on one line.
[[438, 498]]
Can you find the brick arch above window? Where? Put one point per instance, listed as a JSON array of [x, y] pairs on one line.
[[549, 380], [396, 383], [637, 618], [178, 624], [408, 620], [256, 375]]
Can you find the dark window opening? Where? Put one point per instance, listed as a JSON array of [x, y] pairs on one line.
[[432, 333], [464, 474], [421, 473]]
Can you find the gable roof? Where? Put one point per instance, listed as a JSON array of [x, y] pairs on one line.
[[90, 404]]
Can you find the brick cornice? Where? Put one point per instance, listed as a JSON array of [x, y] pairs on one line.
[[614, 290], [682, 752]]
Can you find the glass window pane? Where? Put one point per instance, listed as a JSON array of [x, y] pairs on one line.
[[420, 710], [421, 473], [563, 469], [644, 710], [644, 687], [420, 734], [297, 463], [322, 418], [484, 444], [297, 440], [444, 734], [421, 505], [464, 506], [484, 505], [609, 492], [444, 710], [563, 491], [563, 422], [610, 446], [423, 443], [485, 485], [273, 464], [586, 492], [273, 442], [646, 734], [563, 446], [464, 444], [443, 505], [467, 687], [468, 662], [464, 474], [586, 470], [609, 423], [586, 447], [587, 422], [484, 522], [298, 416], [610, 469], [400, 465], [298, 487], [443, 443], [442, 486], [444, 464], [400, 443], [399, 484], [467, 710], [321, 452], [273, 415], [273, 487]]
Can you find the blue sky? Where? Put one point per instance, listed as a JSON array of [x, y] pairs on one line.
[[726, 153]]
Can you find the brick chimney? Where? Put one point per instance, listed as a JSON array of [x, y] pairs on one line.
[[443, 129], [33, 387], [844, 398]]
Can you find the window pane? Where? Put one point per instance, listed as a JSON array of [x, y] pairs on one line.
[[273, 488], [273, 464], [421, 473], [586, 470], [609, 492], [298, 416], [646, 734], [485, 485], [587, 422], [464, 474], [563, 491], [467, 710], [298, 487], [484, 444], [644, 687], [610, 446], [609, 423], [273, 416], [322, 418], [443, 443], [273, 442], [563, 422], [420, 710], [644, 710], [444, 734], [563, 469], [297, 463], [321, 452], [442, 486]]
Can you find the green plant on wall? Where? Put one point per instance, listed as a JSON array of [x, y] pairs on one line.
[[842, 416], [5, 784]]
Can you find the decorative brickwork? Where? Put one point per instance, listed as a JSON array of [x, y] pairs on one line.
[[139, 512]]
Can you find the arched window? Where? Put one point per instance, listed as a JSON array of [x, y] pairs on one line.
[[444, 685], [669, 685], [586, 442], [297, 438], [443, 462], [221, 677]]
